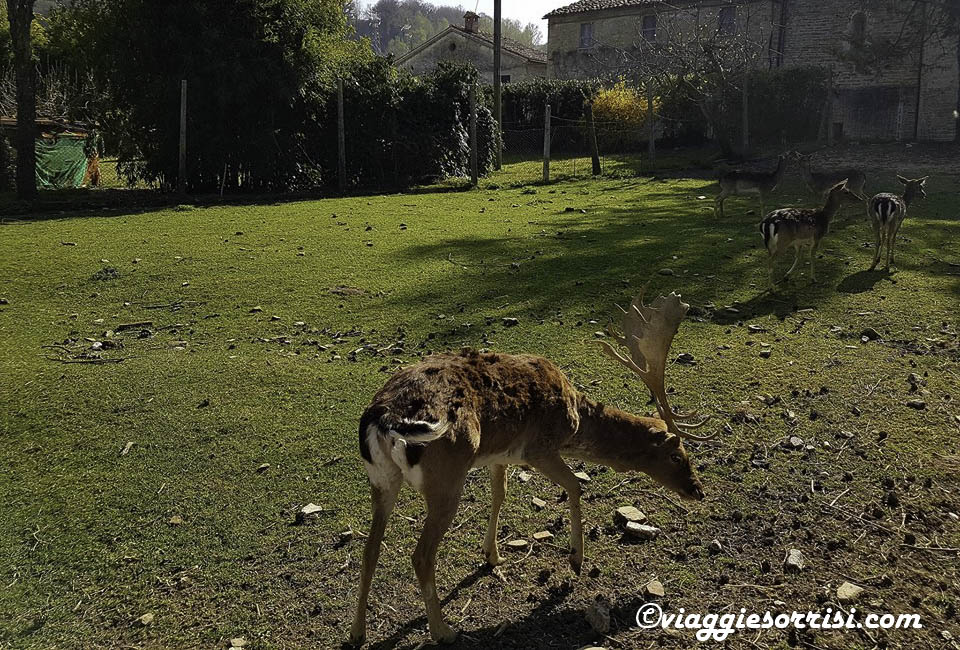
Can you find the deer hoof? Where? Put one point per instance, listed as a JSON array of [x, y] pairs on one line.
[[494, 560], [443, 634], [357, 639]]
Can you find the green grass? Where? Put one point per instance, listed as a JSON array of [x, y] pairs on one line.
[[86, 543]]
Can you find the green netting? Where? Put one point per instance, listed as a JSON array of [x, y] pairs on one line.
[[61, 163]]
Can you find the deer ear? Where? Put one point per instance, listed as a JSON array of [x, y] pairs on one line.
[[923, 181], [673, 442], [902, 179]]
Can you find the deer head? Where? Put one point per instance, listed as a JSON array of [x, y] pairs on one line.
[[914, 188]]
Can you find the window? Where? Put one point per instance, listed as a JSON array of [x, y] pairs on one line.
[[505, 78], [727, 21], [649, 28], [586, 35], [858, 28]]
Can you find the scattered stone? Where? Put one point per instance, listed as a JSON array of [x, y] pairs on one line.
[[263, 468], [238, 642], [510, 322], [953, 516], [176, 520], [715, 547], [848, 593], [275, 318], [256, 310], [625, 514], [309, 510], [582, 477], [686, 359], [345, 537], [756, 329], [4, 301], [598, 616], [543, 536], [793, 442], [126, 448], [654, 589], [517, 544], [794, 562], [145, 620], [523, 477], [765, 353], [642, 531], [917, 404], [666, 271], [869, 334]]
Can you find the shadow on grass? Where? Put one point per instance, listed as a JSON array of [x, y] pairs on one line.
[[548, 625]]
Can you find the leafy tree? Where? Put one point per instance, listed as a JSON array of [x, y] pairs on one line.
[[255, 71]]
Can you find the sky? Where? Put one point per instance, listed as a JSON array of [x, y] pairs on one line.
[[526, 11]]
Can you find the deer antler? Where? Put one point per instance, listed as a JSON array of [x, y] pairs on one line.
[[648, 331]]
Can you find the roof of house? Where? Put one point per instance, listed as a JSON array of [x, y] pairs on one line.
[[583, 6], [532, 54]]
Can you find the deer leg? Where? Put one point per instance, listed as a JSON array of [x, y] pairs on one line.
[[813, 254], [384, 498], [498, 485], [796, 260], [878, 231], [557, 471], [892, 244], [441, 491], [718, 204]]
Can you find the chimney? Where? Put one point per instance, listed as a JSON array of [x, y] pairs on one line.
[[471, 22]]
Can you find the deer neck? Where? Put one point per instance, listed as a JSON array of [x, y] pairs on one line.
[[829, 210], [612, 437]]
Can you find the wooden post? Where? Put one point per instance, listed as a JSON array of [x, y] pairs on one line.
[[497, 84], [474, 145], [652, 126], [546, 146], [923, 42], [182, 168], [592, 136], [745, 142], [341, 140]]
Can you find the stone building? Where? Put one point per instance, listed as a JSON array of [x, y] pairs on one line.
[[468, 44], [911, 96]]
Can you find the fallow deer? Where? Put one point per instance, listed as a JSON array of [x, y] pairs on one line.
[[742, 183], [887, 212], [822, 182], [434, 421], [799, 227]]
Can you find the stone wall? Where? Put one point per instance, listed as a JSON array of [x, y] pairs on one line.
[[457, 47], [865, 105]]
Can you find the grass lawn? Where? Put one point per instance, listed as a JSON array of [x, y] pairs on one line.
[[271, 326]]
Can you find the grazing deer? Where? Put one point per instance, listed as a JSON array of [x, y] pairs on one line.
[[799, 227], [434, 421], [742, 183], [887, 212], [822, 182]]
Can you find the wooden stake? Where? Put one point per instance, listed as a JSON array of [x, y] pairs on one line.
[[592, 136], [341, 140], [474, 145], [497, 83], [182, 168], [546, 145]]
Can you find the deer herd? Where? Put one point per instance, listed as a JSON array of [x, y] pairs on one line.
[[433, 422], [799, 228]]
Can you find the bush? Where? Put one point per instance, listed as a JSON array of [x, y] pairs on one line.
[[620, 114], [402, 130]]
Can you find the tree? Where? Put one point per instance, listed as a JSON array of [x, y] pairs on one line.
[[20, 17], [256, 70]]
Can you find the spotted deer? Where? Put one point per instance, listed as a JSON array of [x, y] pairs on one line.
[[822, 182], [887, 212], [434, 421], [743, 183], [798, 227]]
